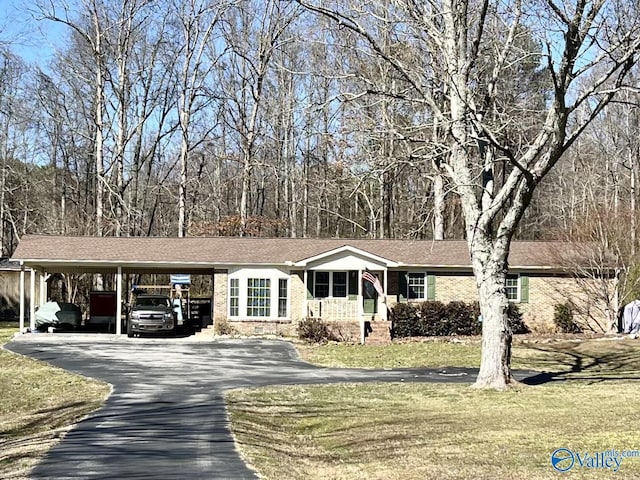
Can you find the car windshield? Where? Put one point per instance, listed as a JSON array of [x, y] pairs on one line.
[[153, 302]]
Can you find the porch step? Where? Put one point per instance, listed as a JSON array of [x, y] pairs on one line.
[[378, 332]]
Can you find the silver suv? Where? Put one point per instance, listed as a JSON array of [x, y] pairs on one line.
[[151, 314]]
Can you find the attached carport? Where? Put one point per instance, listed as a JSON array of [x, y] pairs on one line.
[[40, 256]]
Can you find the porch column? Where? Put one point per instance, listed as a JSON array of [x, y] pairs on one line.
[[360, 307], [42, 288], [119, 301], [32, 300], [382, 306], [21, 297], [305, 302], [360, 300]]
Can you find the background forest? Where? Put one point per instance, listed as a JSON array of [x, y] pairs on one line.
[[255, 117]]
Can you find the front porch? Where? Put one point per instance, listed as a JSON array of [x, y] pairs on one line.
[[335, 309]]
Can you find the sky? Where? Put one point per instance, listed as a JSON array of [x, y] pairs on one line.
[[26, 36]]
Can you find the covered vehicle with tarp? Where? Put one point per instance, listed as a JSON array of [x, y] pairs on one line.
[[58, 315]]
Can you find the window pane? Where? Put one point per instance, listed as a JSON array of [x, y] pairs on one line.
[[511, 287], [234, 300], [415, 285], [339, 284], [259, 297], [282, 297], [322, 285]]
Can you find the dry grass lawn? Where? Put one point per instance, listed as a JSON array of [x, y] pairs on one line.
[[610, 356], [416, 431], [404, 431], [38, 404]]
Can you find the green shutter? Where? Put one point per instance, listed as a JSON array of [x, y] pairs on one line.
[[402, 286], [524, 289], [353, 285], [310, 277], [431, 287]]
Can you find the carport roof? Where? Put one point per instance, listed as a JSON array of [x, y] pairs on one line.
[[200, 253]]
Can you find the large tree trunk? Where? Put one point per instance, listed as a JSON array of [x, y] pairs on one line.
[[438, 206], [495, 363]]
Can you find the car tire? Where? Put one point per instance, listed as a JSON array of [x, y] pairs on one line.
[[130, 334]]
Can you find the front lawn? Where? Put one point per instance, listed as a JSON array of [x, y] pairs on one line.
[[421, 431], [38, 404], [440, 431], [609, 356]]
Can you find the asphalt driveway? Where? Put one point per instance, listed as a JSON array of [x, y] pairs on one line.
[[166, 417]]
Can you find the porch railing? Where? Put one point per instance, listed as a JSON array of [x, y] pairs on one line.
[[333, 309]]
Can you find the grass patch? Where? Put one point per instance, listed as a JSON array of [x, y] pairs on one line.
[[38, 404], [397, 355], [419, 431], [590, 357]]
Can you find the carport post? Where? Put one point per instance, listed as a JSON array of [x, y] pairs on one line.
[[21, 297], [32, 300], [43, 289], [119, 301]]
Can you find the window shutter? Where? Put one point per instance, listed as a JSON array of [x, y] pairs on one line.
[[402, 286], [353, 285], [431, 287], [310, 277], [524, 289]]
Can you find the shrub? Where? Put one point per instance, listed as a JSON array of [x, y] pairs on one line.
[[563, 319], [515, 320], [314, 330], [514, 317], [405, 320], [433, 319], [222, 326], [461, 319]]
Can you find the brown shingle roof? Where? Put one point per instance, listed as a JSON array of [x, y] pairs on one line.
[[36, 249]]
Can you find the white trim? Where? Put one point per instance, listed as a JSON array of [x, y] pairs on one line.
[[347, 248], [42, 288], [305, 292], [119, 301], [518, 287], [382, 300], [287, 313], [229, 286], [22, 298], [273, 275], [32, 300], [425, 286]]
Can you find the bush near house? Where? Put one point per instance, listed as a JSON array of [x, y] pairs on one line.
[[436, 319], [563, 319], [314, 330]]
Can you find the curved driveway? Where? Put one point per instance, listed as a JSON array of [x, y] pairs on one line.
[[166, 416]]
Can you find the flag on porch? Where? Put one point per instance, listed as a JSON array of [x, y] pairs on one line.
[[373, 280]]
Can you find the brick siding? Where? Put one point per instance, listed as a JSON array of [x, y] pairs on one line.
[[544, 293]]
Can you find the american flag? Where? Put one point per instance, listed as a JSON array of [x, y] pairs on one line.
[[373, 280]]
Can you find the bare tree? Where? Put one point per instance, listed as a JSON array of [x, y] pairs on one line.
[[198, 21], [253, 31], [578, 37]]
